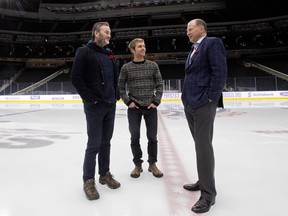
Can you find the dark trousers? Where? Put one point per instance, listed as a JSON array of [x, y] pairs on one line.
[[100, 120], [134, 120], [201, 121]]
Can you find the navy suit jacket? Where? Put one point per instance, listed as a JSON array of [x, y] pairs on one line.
[[206, 76]]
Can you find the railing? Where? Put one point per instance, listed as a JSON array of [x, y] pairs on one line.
[[270, 83]]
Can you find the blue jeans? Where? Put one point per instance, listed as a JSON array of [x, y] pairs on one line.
[[100, 120], [134, 120]]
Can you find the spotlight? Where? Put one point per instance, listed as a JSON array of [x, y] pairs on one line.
[[258, 39], [42, 51], [70, 50], [58, 50], [240, 41], [12, 49], [29, 50], [174, 43]]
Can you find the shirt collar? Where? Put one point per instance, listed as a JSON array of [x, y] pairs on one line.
[[198, 42]]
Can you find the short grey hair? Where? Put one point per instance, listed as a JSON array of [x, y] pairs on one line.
[[200, 22], [97, 27]]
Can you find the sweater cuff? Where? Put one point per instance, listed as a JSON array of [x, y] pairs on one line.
[[155, 103], [129, 102]]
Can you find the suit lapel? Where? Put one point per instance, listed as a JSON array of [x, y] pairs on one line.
[[188, 60], [187, 65]]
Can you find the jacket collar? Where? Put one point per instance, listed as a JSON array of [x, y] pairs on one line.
[[96, 47]]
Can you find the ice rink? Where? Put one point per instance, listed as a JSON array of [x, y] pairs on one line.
[[42, 148]]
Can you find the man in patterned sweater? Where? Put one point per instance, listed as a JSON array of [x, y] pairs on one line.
[[141, 88]]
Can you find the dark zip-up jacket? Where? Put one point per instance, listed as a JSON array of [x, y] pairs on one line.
[[87, 73]]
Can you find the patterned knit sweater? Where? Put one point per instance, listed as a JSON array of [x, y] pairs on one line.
[[141, 83]]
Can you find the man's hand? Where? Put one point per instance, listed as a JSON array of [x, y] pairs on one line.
[[132, 105], [152, 106]]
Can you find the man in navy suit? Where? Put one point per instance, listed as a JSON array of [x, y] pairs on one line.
[[205, 77]]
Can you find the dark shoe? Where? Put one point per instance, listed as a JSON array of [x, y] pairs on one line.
[[192, 187], [109, 180], [202, 205], [90, 190], [155, 171], [136, 172]]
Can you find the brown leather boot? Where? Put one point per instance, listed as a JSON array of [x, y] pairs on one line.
[[136, 172], [109, 180], [90, 190], [155, 171]]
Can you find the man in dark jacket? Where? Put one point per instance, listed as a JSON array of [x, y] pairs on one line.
[[95, 77], [205, 77]]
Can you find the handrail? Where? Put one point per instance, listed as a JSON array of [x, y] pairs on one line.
[[11, 80], [41, 82], [249, 63]]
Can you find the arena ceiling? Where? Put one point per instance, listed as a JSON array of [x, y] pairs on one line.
[[241, 10], [33, 5], [16, 26]]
